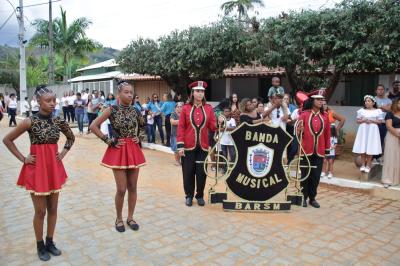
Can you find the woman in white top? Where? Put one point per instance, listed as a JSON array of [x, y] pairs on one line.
[[367, 141], [26, 108], [64, 105], [56, 111], [12, 110], [34, 105], [71, 110]]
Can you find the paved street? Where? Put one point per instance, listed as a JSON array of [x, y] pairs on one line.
[[350, 228]]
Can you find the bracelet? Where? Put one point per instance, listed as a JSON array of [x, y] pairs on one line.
[[109, 141]]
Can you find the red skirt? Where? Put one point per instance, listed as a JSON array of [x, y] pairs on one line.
[[125, 157], [47, 175]]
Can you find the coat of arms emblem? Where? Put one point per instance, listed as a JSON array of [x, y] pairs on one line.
[[259, 160]]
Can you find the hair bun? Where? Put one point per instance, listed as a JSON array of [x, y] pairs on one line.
[[42, 89]]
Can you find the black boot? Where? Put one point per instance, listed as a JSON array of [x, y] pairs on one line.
[[51, 247], [42, 252]]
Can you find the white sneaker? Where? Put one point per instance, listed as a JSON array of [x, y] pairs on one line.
[[362, 168], [375, 161], [330, 175], [322, 174], [367, 169]]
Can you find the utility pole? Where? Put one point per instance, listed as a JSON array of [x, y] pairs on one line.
[[22, 63], [51, 53]]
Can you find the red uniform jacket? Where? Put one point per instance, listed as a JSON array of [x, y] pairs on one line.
[[194, 123], [317, 134]]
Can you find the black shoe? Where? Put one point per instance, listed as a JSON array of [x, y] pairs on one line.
[[51, 247], [132, 224], [119, 226], [189, 202], [201, 202], [43, 254], [314, 203], [304, 203]]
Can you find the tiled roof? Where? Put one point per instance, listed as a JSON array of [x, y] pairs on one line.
[[253, 71], [138, 77]]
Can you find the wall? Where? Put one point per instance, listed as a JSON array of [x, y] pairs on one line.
[[6, 88], [59, 89], [339, 95], [217, 90], [245, 87], [147, 88]]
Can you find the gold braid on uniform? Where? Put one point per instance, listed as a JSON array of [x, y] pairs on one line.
[[46, 130], [126, 121]]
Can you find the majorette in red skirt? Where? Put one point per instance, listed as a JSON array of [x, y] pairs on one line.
[[127, 156], [47, 175]]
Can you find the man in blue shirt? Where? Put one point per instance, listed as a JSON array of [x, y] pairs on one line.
[[167, 109], [155, 107]]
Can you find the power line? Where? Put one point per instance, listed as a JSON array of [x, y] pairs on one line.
[[5, 22], [40, 4]]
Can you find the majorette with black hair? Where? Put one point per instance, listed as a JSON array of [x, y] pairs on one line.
[[195, 121], [315, 142], [43, 173], [123, 155]]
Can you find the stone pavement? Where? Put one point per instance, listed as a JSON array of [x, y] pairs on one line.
[[350, 228]]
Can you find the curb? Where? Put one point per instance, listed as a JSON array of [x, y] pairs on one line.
[[335, 181]]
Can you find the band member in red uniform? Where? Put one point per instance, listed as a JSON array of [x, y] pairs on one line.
[[123, 155], [43, 173], [315, 142], [195, 121]]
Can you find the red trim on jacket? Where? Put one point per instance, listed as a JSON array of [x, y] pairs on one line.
[[194, 124], [317, 134]]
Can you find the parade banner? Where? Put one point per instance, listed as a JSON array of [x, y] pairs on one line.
[[257, 174]]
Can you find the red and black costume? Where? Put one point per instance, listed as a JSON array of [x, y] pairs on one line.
[[316, 143], [126, 124], [192, 137], [47, 175]]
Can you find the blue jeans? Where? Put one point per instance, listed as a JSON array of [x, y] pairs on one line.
[[158, 123], [85, 117], [56, 112], [150, 133], [173, 143], [79, 120]]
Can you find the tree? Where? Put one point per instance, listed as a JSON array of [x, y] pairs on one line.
[[70, 41], [241, 6], [36, 70], [9, 71], [316, 47], [195, 53]]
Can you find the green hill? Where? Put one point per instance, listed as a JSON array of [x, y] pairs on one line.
[[103, 54]]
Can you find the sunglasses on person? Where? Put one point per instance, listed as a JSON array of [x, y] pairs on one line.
[[277, 113]]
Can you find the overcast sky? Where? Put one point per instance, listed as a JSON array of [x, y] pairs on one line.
[[117, 22]]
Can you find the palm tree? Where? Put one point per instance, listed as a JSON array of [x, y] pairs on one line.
[[70, 41], [241, 6]]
